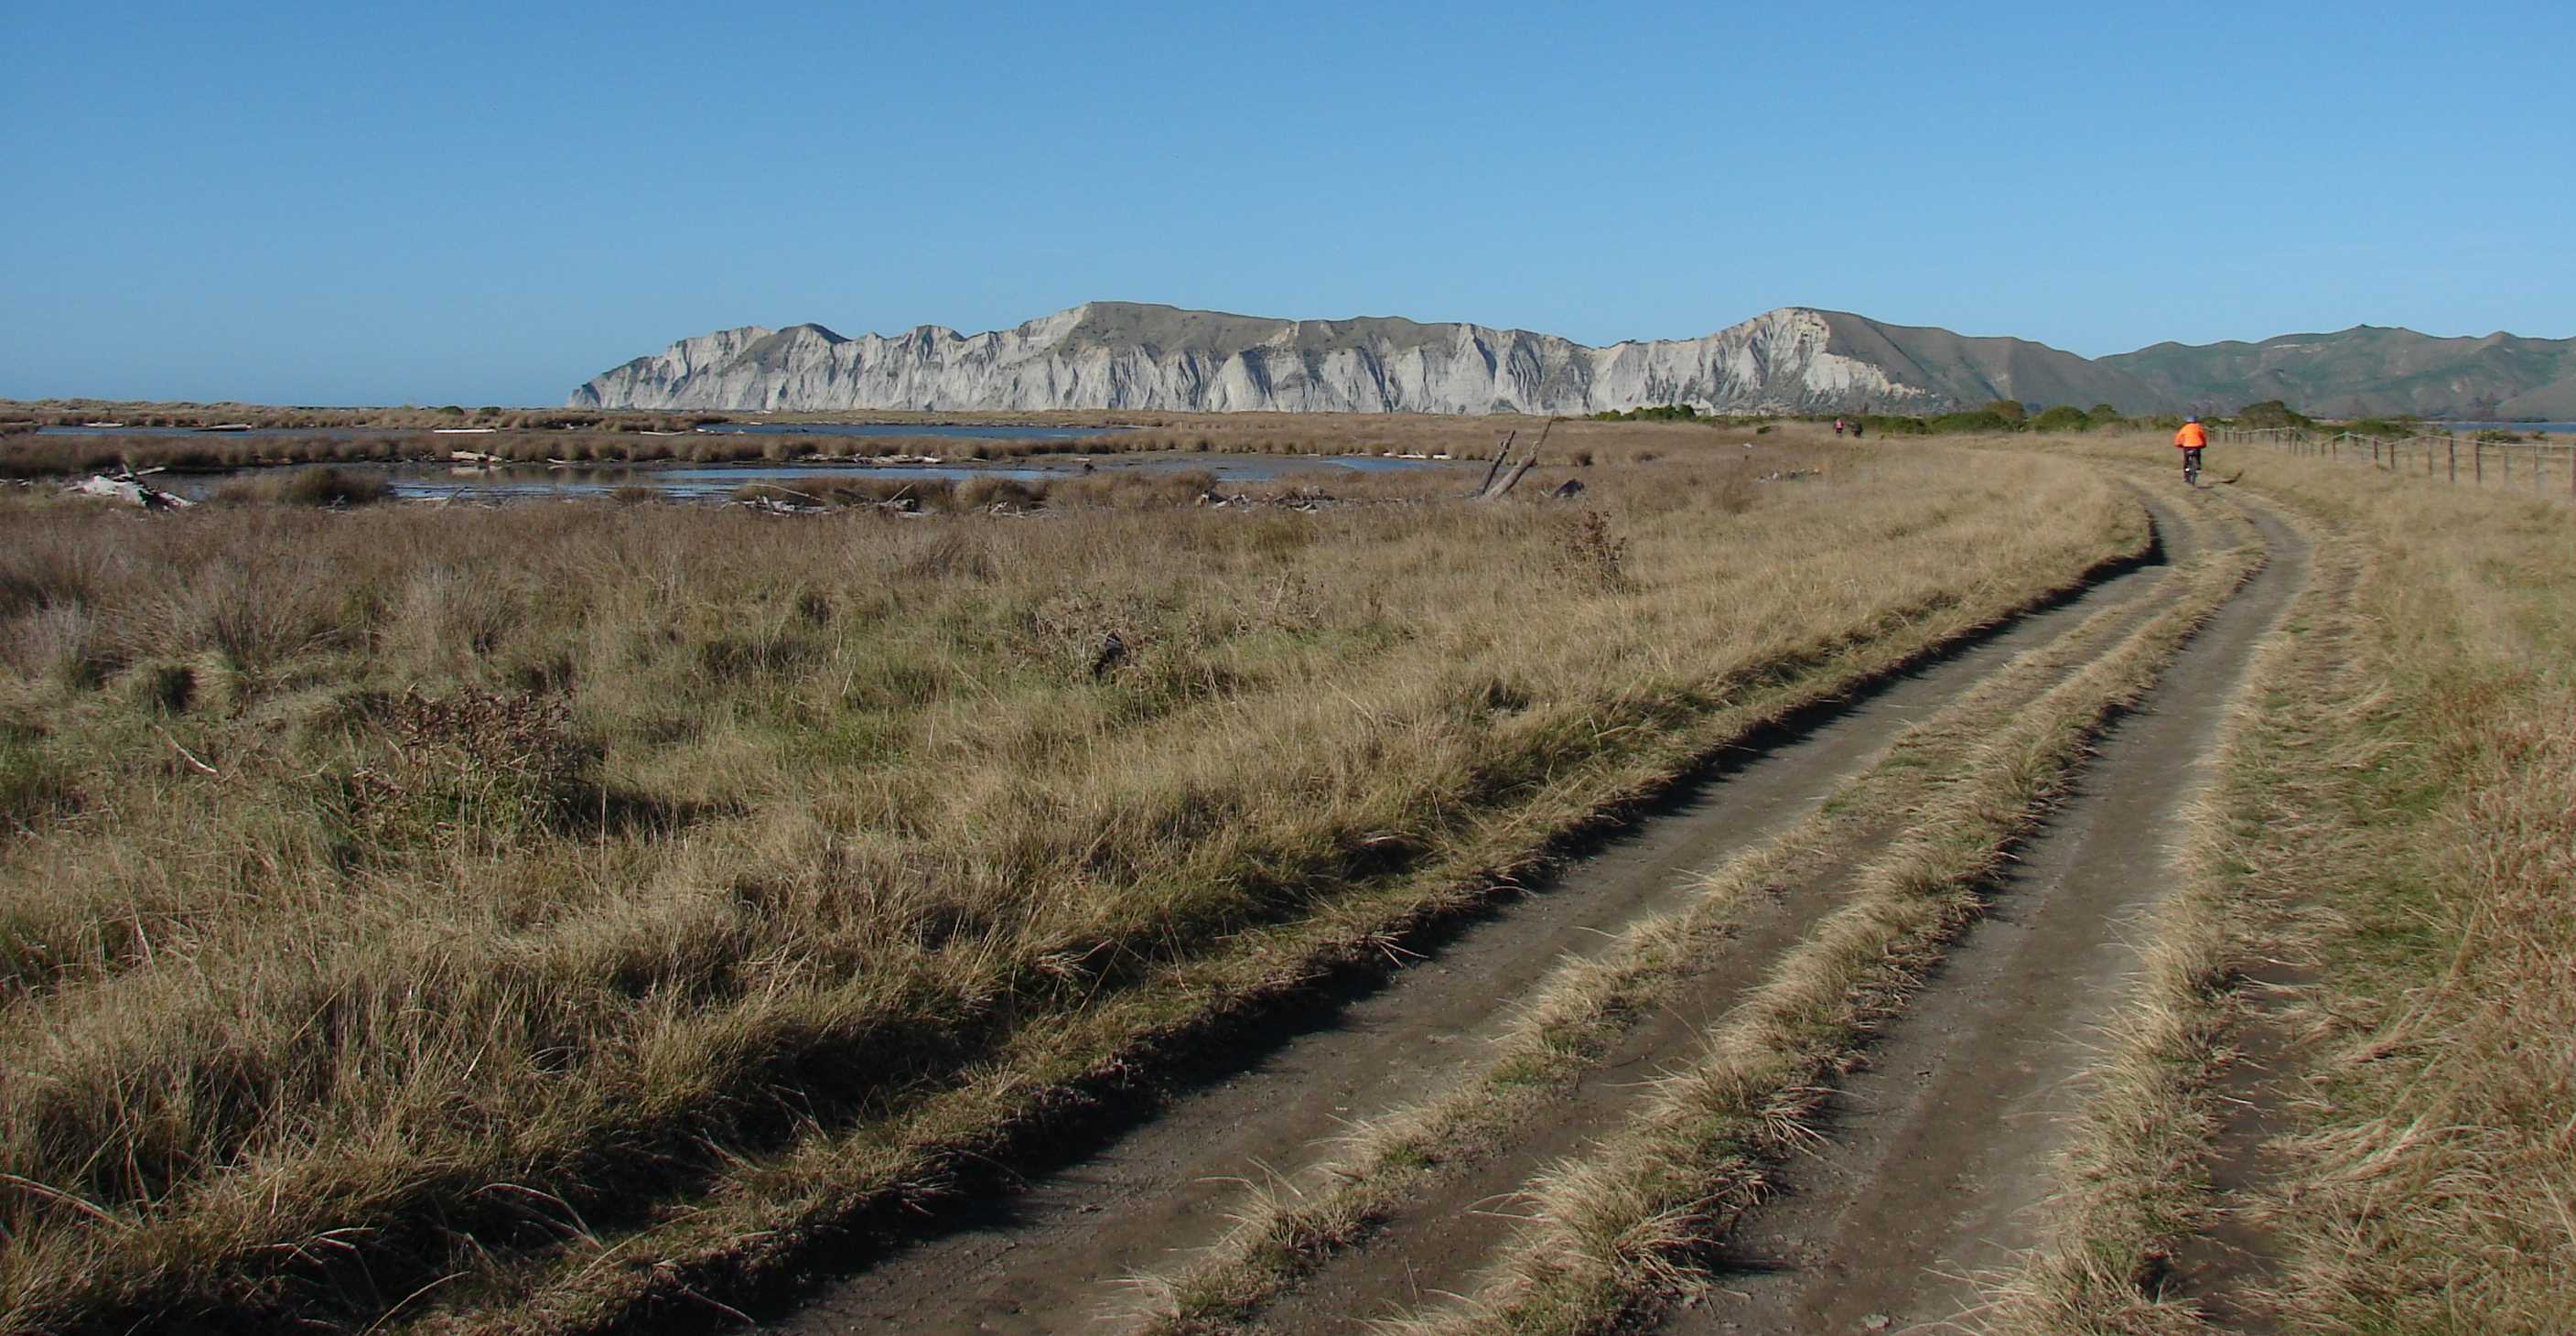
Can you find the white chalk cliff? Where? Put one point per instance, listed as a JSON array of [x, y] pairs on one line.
[[1122, 355]]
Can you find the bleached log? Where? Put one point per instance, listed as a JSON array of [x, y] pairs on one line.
[[131, 492]]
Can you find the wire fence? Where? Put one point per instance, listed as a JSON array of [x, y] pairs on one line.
[[2522, 465]]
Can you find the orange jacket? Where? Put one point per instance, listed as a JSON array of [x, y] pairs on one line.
[[2191, 437]]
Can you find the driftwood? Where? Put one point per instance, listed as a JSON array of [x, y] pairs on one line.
[[801, 496], [475, 457], [1510, 480], [1501, 453], [770, 505], [129, 488], [195, 762], [1499, 480]]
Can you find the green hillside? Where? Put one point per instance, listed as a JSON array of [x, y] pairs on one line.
[[2367, 370]]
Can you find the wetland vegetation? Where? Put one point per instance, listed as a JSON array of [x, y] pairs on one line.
[[388, 890]]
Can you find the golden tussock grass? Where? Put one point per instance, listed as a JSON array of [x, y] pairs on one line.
[[399, 895]]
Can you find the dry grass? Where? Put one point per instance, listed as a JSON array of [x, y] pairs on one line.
[[395, 895]]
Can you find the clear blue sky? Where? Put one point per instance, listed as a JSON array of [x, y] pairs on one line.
[[488, 203]]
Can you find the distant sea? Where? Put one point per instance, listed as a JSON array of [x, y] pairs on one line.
[[2525, 428]]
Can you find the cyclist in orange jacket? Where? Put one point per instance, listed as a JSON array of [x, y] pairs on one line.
[[2190, 440]]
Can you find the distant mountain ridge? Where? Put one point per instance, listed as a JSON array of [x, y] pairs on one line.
[[2367, 371], [1135, 356]]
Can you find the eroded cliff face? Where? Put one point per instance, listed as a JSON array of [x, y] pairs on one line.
[[1127, 356]]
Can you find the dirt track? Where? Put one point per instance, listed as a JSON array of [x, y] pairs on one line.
[[1940, 1150], [1953, 1110]]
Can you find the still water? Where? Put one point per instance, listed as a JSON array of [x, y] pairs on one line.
[[708, 482]]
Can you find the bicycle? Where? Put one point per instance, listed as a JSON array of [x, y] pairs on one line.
[[2191, 468]]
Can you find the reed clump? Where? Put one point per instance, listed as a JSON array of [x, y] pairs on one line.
[[322, 486]]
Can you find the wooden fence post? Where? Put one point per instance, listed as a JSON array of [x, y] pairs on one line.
[[2454, 453], [2478, 462]]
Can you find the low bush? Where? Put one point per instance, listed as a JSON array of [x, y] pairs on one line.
[[1980, 420], [1661, 413], [2063, 417], [2272, 413]]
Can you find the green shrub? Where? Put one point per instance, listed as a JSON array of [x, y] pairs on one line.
[[2272, 413], [1664, 413], [2063, 417], [1975, 420]]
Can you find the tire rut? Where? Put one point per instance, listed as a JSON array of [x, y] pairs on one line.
[[1938, 1151], [1442, 1242], [1053, 1257]]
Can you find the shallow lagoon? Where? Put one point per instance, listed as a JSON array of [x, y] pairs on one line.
[[715, 482]]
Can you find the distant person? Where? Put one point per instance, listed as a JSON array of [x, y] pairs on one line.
[[1856, 424], [1838, 426], [2191, 440]]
